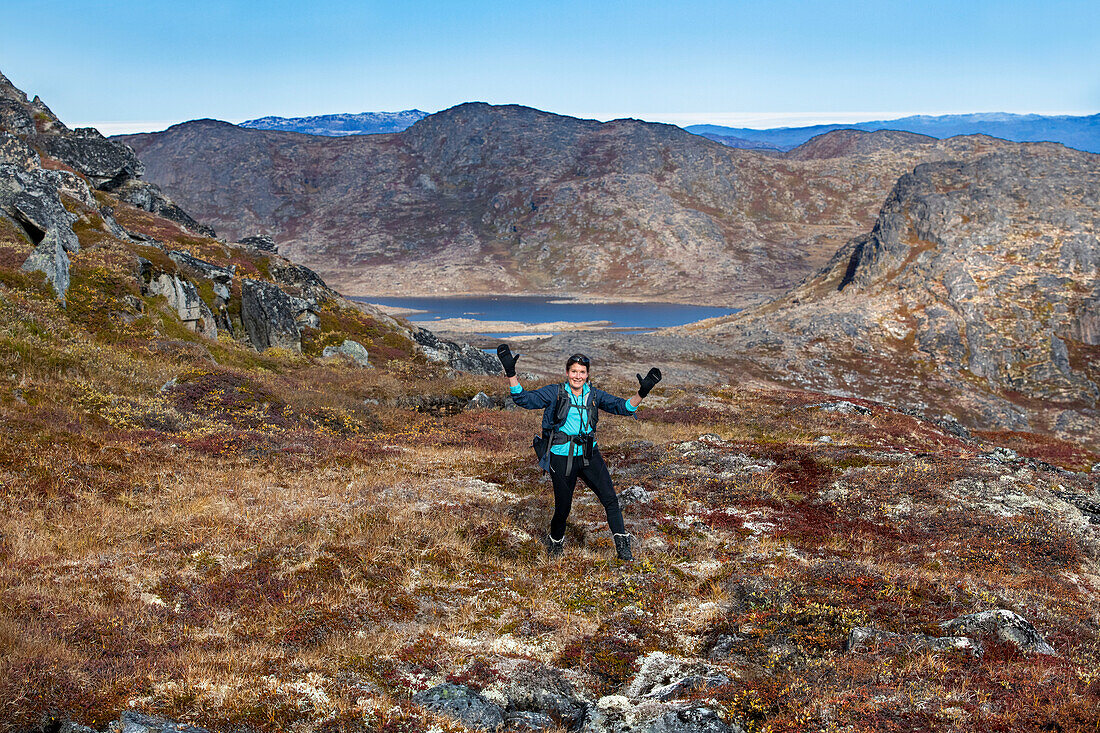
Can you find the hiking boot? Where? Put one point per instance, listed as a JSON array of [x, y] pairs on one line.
[[555, 548], [622, 547]]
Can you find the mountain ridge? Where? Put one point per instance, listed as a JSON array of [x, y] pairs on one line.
[[1081, 132], [505, 198]]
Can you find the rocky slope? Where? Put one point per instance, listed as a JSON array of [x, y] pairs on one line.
[[977, 291], [484, 198], [74, 211]]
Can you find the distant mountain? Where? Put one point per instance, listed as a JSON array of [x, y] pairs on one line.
[[508, 199], [1082, 133], [365, 123]]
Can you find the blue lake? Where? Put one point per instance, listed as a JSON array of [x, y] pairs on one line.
[[528, 309]]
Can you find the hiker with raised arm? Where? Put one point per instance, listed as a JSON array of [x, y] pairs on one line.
[[567, 447]]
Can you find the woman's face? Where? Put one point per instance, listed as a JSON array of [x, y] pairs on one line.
[[577, 374]]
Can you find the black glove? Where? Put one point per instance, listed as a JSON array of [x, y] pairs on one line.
[[508, 360], [650, 381]]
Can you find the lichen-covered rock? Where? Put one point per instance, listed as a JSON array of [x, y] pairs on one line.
[[131, 722], [695, 719], [536, 688], [86, 150], [268, 316], [353, 350], [1003, 624], [464, 358], [262, 242], [32, 199], [463, 704], [221, 277], [149, 197], [864, 638], [14, 151], [49, 257], [300, 280], [183, 297], [521, 720]]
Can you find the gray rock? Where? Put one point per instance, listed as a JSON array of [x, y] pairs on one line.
[[1004, 625], [305, 312], [1001, 454], [49, 258], [31, 198], [262, 242], [149, 197], [353, 350], [681, 687], [695, 719], [183, 297], [864, 638], [463, 358], [523, 720], [14, 151], [462, 704], [534, 687], [634, 495], [268, 316], [131, 722], [85, 149], [221, 277], [300, 280], [480, 401]]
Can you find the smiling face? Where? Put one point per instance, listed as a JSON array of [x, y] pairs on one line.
[[577, 374]]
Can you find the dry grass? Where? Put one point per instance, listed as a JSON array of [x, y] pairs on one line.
[[271, 542]]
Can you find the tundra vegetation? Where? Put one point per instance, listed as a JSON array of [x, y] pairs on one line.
[[271, 541]]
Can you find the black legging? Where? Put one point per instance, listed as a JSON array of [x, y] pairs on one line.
[[597, 478]]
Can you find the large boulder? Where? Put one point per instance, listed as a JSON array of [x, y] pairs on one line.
[[49, 257], [32, 199], [352, 350], [149, 197], [103, 161], [462, 704], [1004, 625], [183, 297], [221, 277], [464, 358], [268, 316], [301, 280]]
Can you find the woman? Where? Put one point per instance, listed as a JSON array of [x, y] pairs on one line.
[[567, 448]]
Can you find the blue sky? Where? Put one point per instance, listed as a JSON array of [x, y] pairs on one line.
[[125, 65]]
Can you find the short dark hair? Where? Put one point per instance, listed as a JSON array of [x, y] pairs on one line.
[[581, 359]]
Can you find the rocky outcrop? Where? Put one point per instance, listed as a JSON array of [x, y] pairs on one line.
[[1004, 625], [220, 277], [262, 242], [464, 358], [462, 704], [13, 151], [49, 258], [975, 292], [183, 297], [269, 316], [104, 162], [150, 198]]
